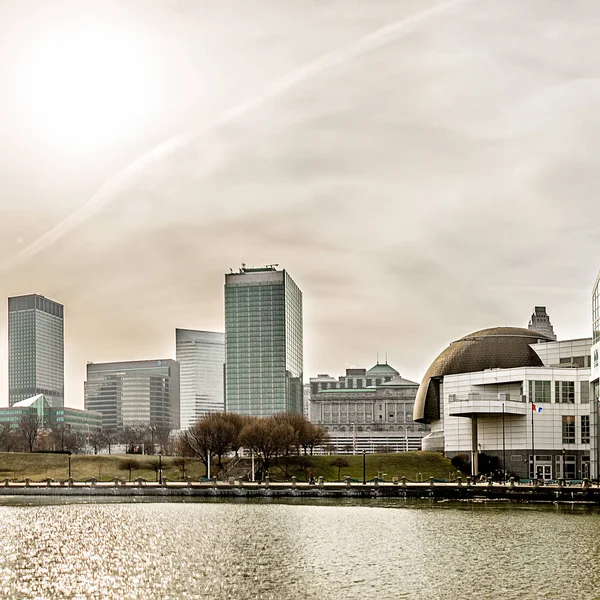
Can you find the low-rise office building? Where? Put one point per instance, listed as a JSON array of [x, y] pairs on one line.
[[374, 418], [51, 417], [134, 392]]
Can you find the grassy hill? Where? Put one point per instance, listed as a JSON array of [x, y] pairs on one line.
[[412, 465], [39, 466]]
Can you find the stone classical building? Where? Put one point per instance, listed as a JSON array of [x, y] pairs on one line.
[[367, 410]]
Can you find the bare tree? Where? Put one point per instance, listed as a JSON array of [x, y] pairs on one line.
[[28, 429], [97, 440], [268, 438], [136, 436], [64, 438], [316, 436], [340, 463], [5, 437], [161, 437], [300, 426], [128, 464], [108, 439], [195, 442], [181, 463], [216, 434]]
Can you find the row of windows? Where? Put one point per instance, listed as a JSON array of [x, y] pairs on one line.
[[568, 429], [564, 392]]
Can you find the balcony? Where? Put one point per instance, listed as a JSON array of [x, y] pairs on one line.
[[487, 404]]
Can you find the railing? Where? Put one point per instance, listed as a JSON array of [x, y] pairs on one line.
[[232, 463], [501, 397]]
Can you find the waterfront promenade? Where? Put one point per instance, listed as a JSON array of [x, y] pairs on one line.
[[458, 490]]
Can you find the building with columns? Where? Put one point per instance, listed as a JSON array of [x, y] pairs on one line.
[[367, 410]]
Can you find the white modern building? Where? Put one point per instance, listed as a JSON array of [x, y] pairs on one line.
[[511, 401], [595, 373], [201, 356]]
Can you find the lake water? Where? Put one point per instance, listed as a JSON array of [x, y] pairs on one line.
[[343, 550]]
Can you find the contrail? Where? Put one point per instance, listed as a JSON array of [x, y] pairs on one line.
[[114, 186]]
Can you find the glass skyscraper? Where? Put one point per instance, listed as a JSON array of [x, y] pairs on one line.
[[263, 342], [35, 349], [134, 392], [201, 355]]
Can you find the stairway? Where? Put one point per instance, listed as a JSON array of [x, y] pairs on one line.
[[242, 469]]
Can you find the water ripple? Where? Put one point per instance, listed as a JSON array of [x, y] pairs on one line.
[[240, 551]]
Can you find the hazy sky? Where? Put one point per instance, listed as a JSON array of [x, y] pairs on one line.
[[422, 169]]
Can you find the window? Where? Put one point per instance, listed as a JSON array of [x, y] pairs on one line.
[[564, 391], [369, 384], [585, 392], [568, 429], [359, 383], [539, 391], [585, 429]]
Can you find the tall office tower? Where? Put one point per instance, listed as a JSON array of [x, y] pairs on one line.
[[134, 392], [263, 342], [201, 355], [540, 322], [35, 349]]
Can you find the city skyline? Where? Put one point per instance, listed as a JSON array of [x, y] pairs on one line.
[[73, 402], [423, 169]]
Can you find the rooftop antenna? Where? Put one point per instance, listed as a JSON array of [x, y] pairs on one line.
[[386, 358], [378, 358]]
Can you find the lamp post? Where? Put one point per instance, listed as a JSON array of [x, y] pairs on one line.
[[69, 459], [152, 429], [364, 467], [160, 468]]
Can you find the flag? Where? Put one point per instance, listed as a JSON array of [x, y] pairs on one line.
[[535, 408]]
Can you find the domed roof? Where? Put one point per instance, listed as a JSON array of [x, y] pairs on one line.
[[495, 348]]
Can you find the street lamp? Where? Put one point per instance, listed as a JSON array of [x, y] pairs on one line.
[[160, 480], [364, 467], [69, 459]]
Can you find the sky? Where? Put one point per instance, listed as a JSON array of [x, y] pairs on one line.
[[422, 169]]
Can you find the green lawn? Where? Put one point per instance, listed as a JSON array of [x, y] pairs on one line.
[[40, 466], [401, 464]]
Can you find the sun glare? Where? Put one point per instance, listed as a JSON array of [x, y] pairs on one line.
[[86, 86]]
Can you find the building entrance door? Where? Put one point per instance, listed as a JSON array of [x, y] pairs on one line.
[[544, 472]]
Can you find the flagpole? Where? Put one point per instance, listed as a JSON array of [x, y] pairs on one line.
[[532, 443]]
